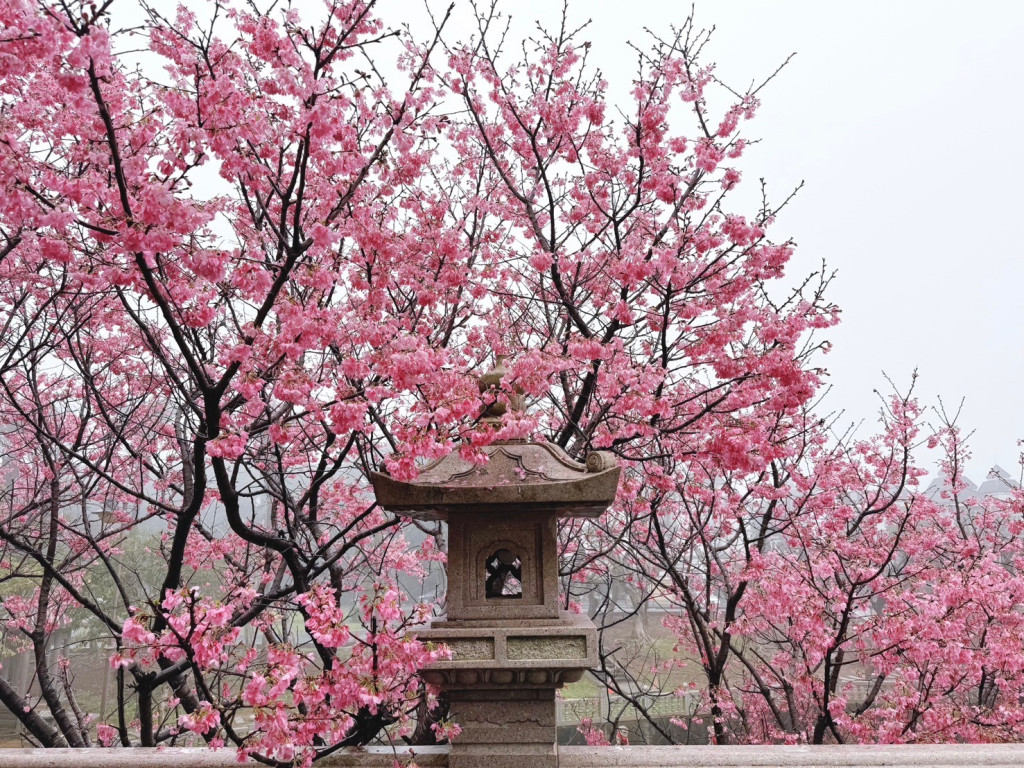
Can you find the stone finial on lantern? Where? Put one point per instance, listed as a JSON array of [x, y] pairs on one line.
[[490, 386], [511, 644]]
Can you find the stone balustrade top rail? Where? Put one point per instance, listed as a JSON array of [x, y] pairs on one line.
[[916, 756]]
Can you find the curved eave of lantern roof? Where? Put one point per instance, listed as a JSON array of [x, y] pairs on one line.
[[518, 477]]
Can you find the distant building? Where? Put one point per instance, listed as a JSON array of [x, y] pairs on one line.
[[998, 484]]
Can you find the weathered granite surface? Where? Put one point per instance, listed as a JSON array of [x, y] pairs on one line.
[[539, 648], [498, 654], [472, 541], [540, 476]]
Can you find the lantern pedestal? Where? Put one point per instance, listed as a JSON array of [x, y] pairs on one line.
[[501, 681]]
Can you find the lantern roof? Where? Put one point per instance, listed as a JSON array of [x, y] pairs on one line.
[[518, 476]]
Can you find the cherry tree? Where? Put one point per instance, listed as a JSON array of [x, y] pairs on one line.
[[224, 358], [248, 255], [826, 598]]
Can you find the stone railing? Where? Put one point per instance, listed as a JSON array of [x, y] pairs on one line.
[[915, 756]]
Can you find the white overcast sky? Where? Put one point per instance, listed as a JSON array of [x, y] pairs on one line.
[[905, 120]]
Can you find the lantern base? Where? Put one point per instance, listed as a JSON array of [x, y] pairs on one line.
[[510, 728]]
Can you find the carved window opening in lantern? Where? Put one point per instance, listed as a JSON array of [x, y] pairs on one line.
[[504, 576]]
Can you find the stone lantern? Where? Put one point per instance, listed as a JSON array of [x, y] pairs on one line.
[[512, 646]]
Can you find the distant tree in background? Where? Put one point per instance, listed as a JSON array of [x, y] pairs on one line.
[[235, 280]]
